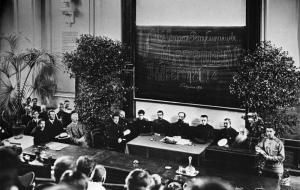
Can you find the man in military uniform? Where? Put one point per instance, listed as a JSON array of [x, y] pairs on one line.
[[271, 153]]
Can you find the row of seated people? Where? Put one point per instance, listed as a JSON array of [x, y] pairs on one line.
[[118, 130], [33, 113], [85, 174]]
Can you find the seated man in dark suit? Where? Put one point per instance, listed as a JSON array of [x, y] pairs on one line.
[[227, 132], [53, 125], [32, 123], [160, 125], [35, 107], [203, 132], [141, 125], [27, 116], [40, 133], [115, 134], [180, 128]]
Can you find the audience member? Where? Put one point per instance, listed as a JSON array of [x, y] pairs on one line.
[[98, 178], [40, 133], [9, 163], [203, 132], [77, 131], [156, 182], [87, 166], [27, 116], [35, 107], [227, 132], [180, 128], [99, 174], [32, 123], [115, 133], [139, 179], [5, 130], [242, 140], [28, 101], [67, 107], [75, 179], [43, 114], [207, 184], [61, 165], [160, 125], [271, 151], [63, 116], [141, 125], [53, 125], [173, 185]]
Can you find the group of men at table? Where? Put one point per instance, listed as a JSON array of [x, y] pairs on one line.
[[118, 130]]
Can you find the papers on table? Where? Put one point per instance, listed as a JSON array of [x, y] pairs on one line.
[[184, 142], [56, 145], [176, 140]]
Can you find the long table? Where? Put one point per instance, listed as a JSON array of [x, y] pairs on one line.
[[152, 147], [118, 165]]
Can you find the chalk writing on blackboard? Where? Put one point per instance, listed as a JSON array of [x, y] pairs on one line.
[[187, 59]]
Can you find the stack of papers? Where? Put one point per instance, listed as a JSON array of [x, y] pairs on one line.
[[184, 142], [56, 146]]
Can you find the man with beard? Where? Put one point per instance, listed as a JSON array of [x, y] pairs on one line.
[[180, 128]]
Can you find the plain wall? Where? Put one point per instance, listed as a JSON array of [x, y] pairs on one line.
[[283, 26], [191, 12]]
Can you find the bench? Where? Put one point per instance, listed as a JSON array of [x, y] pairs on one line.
[[232, 157]]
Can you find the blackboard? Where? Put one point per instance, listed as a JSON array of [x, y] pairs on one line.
[[188, 64]]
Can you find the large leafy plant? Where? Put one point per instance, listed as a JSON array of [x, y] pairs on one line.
[[22, 73], [268, 83], [98, 64]]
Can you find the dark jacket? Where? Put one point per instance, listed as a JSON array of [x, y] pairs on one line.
[[142, 127], [179, 128], [30, 126], [203, 133], [227, 133], [53, 129], [161, 126], [112, 133]]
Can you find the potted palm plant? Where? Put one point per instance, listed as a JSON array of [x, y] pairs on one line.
[[23, 73]]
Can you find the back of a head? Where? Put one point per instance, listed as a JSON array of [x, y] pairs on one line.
[[138, 179], [207, 184], [61, 165], [85, 165], [74, 179], [9, 163], [99, 174]]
